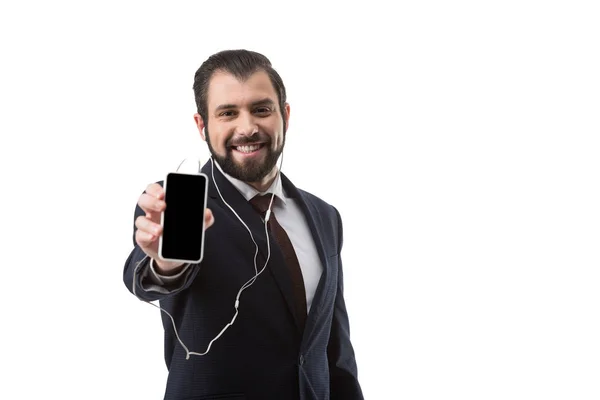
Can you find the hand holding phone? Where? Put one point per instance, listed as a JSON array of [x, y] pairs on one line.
[[150, 229]]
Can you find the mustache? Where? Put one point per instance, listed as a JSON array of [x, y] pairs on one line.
[[244, 140]]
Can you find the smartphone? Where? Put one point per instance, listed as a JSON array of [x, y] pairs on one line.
[[182, 220]]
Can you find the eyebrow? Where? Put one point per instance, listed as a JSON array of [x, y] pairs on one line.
[[264, 102]]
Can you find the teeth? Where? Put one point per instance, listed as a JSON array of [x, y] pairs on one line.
[[248, 149]]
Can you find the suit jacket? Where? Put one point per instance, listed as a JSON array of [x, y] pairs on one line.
[[263, 355]]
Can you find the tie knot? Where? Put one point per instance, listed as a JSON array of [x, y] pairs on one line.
[[261, 203]]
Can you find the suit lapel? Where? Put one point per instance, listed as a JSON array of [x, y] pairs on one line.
[[242, 207], [312, 216]]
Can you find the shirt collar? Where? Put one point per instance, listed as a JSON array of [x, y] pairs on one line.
[[249, 192]]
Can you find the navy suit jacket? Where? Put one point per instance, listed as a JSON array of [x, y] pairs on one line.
[[264, 354]]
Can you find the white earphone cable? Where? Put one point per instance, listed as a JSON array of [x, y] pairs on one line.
[[246, 285]]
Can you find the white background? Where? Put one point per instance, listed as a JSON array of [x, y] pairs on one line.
[[459, 140]]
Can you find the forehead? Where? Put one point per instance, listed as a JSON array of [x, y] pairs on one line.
[[225, 88]]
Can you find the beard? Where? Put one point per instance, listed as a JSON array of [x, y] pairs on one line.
[[251, 170]]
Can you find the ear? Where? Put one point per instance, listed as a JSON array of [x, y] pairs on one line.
[[286, 115], [200, 125]]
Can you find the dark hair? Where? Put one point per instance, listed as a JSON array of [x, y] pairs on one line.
[[241, 64]]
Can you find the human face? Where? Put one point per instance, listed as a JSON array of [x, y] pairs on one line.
[[245, 129]]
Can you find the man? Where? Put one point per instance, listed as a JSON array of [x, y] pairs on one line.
[[291, 338]]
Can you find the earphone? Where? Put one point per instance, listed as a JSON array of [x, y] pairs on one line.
[[245, 286]]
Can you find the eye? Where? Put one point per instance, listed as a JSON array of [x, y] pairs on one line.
[[228, 113], [263, 110]]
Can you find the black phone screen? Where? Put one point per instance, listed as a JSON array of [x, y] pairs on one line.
[[183, 217]]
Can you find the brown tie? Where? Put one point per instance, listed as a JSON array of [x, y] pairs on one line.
[[261, 204]]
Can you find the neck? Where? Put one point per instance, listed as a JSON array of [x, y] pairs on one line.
[[265, 182]]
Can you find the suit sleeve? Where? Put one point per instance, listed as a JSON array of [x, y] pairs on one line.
[[342, 363], [141, 280]]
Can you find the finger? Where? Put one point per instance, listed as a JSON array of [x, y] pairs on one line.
[[156, 191], [146, 225], [151, 204], [209, 218], [144, 239]]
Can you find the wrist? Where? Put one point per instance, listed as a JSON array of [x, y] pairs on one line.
[[166, 268]]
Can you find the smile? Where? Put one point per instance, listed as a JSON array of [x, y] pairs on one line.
[[248, 148]]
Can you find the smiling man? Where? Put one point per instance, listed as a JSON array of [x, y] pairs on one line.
[[291, 339], [247, 126]]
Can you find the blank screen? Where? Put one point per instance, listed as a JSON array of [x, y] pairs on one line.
[[183, 216]]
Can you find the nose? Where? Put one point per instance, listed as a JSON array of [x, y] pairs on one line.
[[247, 125]]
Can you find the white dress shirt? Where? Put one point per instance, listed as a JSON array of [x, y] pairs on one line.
[[292, 219]]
